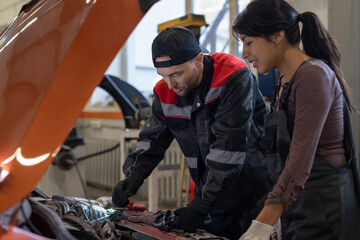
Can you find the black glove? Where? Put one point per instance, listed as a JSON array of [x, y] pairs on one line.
[[189, 220], [125, 188]]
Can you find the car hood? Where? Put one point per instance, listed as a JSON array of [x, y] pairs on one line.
[[52, 56]]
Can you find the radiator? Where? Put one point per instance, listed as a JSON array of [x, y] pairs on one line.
[[104, 171], [168, 185]]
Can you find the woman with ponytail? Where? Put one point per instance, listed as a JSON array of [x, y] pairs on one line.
[[308, 137]]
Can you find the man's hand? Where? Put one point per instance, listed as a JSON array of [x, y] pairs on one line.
[[125, 189], [257, 231], [189, 220]]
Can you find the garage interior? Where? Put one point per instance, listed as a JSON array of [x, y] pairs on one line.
[[107, 129]]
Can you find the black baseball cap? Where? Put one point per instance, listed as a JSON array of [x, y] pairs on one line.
[[178, 43]]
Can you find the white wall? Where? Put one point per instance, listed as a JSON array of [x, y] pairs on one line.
[[139, 70], [9, 9], [344, 24], [319, 7]]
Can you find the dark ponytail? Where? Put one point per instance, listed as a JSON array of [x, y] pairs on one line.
[[318, 43], [263, 18]]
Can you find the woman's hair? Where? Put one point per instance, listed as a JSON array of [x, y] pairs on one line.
[[263, 18]]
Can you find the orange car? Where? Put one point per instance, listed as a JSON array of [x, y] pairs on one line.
[[52, 56]]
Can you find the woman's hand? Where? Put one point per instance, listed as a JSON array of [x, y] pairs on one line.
[[257, 231], [262, 227]]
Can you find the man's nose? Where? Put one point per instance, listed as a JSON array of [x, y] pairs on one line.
[[171, 84]]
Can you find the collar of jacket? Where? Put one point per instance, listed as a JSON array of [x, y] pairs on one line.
[[199, 93]]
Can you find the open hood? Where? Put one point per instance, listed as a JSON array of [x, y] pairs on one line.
[[52, 56]]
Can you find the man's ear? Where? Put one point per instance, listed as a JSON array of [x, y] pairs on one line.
[[199, 58], [277, 37]]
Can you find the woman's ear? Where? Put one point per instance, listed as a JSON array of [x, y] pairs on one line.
[[277, 37]]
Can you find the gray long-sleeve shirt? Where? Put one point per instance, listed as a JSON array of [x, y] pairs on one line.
[[315, 116]]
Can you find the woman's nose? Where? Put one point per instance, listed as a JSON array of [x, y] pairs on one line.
[[244, 53]]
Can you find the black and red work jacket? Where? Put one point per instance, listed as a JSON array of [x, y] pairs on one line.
[[217, 126]]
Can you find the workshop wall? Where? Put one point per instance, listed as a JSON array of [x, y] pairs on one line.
[[8, 10], [344, 24]]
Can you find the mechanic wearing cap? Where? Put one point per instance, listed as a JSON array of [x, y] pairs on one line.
[[212, 106]]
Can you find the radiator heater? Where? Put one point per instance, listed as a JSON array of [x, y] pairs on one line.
[[103, 171]]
